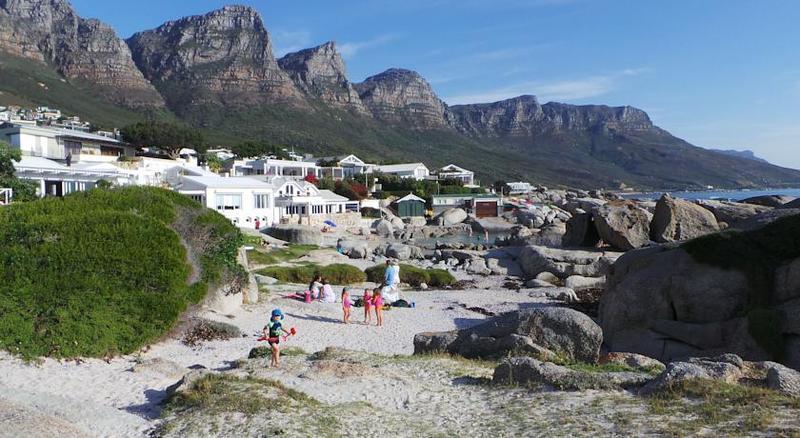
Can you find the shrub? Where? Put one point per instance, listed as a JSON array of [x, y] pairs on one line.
[[104, 272], [413, 275], [205, 330], [275, 256], [337, 273]]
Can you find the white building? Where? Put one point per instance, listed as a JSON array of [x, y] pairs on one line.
[[451, 171], [416, 171], [272, 167], [222, 154], [299, 200], [245, 201], [56, 179], [517, 188], [60, 144]]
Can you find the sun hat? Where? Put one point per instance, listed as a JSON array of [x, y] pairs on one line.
[[277, 312]]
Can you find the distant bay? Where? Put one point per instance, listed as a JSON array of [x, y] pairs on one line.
[[734, 195]]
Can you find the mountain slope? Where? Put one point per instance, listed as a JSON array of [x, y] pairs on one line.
[[218, 72]]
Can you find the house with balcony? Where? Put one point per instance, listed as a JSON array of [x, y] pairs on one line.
[[63, 145], [451, 171], [519, 188], [246, 202], [417, 171], [56, 179]]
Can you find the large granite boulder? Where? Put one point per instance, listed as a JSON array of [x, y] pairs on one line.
[[563, 263], [384, 228], [581, 231], [299, 234], [399, 251], [732, 213], [766, 218], [737, 292], [564, 332], [676, 219], [773, 201], [623, 225], [451, 216], [527, 370], [791, 204]]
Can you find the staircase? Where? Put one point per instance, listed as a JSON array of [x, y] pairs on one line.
[[5, 196]]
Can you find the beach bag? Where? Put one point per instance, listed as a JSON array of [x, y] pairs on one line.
[[401, 303], [358, 302]]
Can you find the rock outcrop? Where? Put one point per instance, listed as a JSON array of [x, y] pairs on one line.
[[320, 73], [527, 370], [403, 97], [623, 225], [223, 57], [676, 219], [562, 263], [82, 50], [773, 201], [732, 213]]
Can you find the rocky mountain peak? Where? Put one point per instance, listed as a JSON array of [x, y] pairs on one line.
[[87, 50], [320, 73], [404, 97], [224, 57]]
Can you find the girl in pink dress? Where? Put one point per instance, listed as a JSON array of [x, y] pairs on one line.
[[346, 304]]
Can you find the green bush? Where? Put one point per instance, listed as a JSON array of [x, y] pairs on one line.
[[413, 275], [337, 273], [275, 256], [104, 272]]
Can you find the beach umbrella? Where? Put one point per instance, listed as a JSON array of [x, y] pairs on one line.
[[330, 223]]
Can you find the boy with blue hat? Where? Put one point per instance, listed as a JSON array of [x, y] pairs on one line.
[[273, 331]]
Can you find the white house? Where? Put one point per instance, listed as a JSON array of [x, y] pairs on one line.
[[61, 144], [273, 168], [56, 179], [347, 166], [416, 171], [247, 202], [451, 171], [520, 187], [299, 200]]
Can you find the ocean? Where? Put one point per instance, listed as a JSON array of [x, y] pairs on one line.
[[734, 195]]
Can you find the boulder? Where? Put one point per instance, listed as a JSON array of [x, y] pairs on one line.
[[784, 380], [478, 266], [562, 263], [398, 223], [535, 283], [548, 277], [187, 381], [263, 279], [727, 368], [300, 234], [564, 294], [732, 213], [676, 219], [581, 231], [415, 221], [773, 201], [791, 204], [223, 300], [497, 266], [355, 249], [566, 332], [577, 282], [399, 251], [623, 225], [765, 218], [787, 283], [451, 216], [633, 360], [527, 370], [384, 228]]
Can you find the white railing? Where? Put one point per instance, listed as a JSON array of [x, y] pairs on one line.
[[5, 196]]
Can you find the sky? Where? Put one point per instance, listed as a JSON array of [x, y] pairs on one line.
[[718, 73]]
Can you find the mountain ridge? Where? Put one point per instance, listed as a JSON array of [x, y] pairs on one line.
[[218, 72]]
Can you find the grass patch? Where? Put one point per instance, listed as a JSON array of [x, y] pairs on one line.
[[413, 275], [337, 273], [275, 256], [756, 254], [723, 407], [251, 240], [104, 272]]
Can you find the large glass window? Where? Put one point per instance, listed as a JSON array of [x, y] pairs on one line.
[[229, 202], [261, 200]]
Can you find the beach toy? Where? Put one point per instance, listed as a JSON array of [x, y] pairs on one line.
[[307, 297]]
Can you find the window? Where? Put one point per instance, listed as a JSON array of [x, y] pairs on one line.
[[229, 202], [261, 200], [109, 151], [72, 147], [198, 198], [290, 190]]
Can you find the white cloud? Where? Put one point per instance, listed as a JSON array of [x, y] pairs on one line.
[[350, 49], [562, 90], [288, 41]]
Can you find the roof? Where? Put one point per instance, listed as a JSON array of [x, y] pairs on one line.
[[455, 169], [68, 133], [405, 167], [43, 164], [333, 197], [39, 163], [410, 197], [228, 183]]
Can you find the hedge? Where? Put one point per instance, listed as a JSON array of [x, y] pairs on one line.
[[104, 272], [337, 273], [413, 275]]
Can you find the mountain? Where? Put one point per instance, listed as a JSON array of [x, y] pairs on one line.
[[319, 72], [82, 51], [221, 58], [218, 72], [750, 155]]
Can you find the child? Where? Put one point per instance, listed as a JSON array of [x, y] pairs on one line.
[[367, 305], [377, 302], [346, 304], [273, 331]]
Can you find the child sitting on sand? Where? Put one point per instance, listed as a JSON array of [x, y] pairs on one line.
[[377, 302], [273, 331], [346, 304], [367, 306]]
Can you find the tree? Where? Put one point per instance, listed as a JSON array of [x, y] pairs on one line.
[[326, 184], [311, 178], [168, 137], [214, 163], [23, 190], [248, 149], [501, 187]]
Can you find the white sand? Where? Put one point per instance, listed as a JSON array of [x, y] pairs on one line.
[[107, 399]]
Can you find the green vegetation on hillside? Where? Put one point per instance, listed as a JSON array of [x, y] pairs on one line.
[[104, 272], [413, 276], [23, 190], [337, 273], [755, 253]]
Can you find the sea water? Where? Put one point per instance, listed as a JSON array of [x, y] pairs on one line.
[[732, 195]]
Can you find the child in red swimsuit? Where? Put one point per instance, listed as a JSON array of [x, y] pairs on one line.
[[377, 302], [346, 304], [367, 306]]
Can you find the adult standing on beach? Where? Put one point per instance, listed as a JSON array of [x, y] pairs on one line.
[[391, 281]]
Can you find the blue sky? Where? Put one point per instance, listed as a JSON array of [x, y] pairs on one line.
[[718, 73]]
